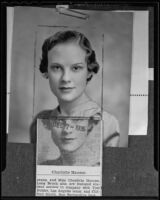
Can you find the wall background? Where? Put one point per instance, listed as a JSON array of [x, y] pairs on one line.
[[117, 30]]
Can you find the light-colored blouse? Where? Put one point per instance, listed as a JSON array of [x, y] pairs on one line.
[[89, 109]]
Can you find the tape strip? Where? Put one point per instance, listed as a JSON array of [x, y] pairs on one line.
[[64, 10], [62, 6]]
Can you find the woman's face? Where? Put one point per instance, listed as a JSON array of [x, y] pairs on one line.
[[69, 134], [67, 71]]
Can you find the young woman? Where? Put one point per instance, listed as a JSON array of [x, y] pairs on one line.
[[69, 62], [77, 142]]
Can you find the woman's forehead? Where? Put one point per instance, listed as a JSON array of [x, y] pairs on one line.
[[67, 52]]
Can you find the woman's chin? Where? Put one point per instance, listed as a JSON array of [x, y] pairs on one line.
[[69, 97], [66, 98], [68, 149]]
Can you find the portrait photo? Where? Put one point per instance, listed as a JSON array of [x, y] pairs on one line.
[[65, 66], [69, 141], [80, 82]]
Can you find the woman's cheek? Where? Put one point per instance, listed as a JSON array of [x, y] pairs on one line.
[[56, 135], [81, 80], [53, 85], [81, 136]]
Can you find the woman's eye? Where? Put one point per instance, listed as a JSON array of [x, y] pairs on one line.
[[77, 68], [56, 68]]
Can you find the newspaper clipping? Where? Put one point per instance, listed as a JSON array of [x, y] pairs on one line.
[[69, 157]]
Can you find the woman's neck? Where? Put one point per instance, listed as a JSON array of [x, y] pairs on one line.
[[81, 157], [67, 107]]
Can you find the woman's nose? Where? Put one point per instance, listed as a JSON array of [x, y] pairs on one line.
[[68, 128], [66, 76]]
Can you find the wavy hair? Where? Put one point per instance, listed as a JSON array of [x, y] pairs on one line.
[[66, 36]]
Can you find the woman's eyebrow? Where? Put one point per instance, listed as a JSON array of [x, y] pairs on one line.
[[55, 63], [78, 63]]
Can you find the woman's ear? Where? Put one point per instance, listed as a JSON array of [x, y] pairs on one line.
[[45, 75], [89, 76]]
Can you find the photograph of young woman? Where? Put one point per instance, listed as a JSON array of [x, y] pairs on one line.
[[75, 139], [69, 63]]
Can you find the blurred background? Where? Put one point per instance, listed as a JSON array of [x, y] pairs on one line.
[[30, 92]]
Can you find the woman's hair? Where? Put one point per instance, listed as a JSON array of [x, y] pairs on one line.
[[66, 36]]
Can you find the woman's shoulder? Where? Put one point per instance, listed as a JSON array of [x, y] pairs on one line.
[[110, 120], [111, 129], [45, 114]]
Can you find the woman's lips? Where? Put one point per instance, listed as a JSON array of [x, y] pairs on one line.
[[66, 89], [67, 140]]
